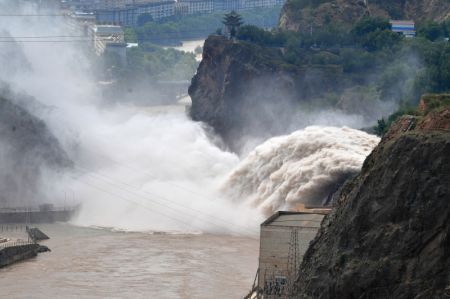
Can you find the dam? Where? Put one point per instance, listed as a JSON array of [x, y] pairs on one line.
[[46, 213]]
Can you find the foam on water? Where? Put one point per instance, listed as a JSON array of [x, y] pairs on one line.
[[303, 167], [154, 169]]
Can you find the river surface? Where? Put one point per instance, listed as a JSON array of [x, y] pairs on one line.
[[100, 263], [190, 46]]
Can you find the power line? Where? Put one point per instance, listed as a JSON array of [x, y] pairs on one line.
[[45, 41], [115, 181], [45, 36], [151, 174], [137, 203], [172, 217], [32, 15]]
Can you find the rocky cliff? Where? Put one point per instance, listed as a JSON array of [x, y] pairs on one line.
[[389, 234], [242, 89], [301, 15], [26, 148]]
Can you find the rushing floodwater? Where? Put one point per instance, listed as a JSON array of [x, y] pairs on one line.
[[98, 263]]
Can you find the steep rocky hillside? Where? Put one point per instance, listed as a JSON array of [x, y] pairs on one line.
[[389, 236], [26, 148], [302, 14], [242, 89]]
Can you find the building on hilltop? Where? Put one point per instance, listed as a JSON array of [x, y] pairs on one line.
[[407, 28]]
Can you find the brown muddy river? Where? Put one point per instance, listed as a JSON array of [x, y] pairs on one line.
[[99, 263]]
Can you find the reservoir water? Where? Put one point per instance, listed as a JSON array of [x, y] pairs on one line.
[[100, 263], [190, 46]]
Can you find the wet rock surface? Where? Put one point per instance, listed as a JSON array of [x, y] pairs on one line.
[[389, 235], [27, 147]]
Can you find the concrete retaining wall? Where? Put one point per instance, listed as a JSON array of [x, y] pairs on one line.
[[12, 254]]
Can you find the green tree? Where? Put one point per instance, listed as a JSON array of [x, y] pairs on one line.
[[144, 19], [381, 127], [432, 30], [368, 24], [380, 39]]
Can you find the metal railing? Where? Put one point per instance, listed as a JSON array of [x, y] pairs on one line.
[[15, 244]]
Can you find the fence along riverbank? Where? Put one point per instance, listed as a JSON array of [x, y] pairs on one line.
[[14, 249]]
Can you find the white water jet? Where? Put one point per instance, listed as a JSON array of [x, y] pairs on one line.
[[303, 167], [139, 169], [156, 170]]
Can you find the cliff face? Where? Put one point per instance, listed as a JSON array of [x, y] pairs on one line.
[[300, 15], [389, 236], [242, 89], [26, 148]]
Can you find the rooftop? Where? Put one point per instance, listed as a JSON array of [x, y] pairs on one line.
[[296, 219], [108, 29]]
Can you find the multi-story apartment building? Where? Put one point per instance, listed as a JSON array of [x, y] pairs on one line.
[[126, 12], [129, 14], [157, 9], [90, 5], [195, 6], [227, 5], [237, 5]]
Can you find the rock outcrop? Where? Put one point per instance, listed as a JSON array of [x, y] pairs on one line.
[[26, 148], [301, 15], [389, 234], [242, 89]]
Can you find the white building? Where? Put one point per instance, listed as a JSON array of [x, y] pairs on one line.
[[108, 38], [128, 15], [407, 28], [157, 9], [195, 6], [284, 239]]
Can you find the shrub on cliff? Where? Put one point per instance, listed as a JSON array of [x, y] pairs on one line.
[[375, 34], [154, 61], [433, 30], [262, 37], [369, 53]]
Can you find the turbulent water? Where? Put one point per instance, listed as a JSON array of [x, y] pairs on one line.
[[184, 203], [92, 263], [133, 168], [153, 169], [304, 167]]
